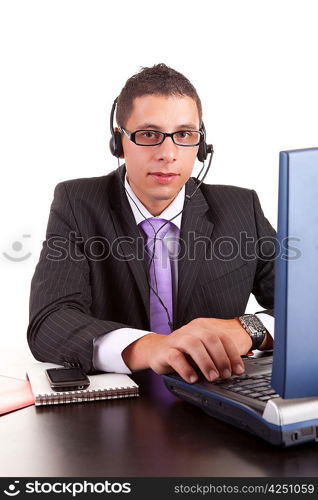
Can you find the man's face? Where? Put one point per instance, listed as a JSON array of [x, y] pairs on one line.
[[157, 173]]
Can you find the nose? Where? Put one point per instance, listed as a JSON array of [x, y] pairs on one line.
[[167, 151]]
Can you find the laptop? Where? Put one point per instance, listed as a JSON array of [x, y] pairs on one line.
[[277, 396]]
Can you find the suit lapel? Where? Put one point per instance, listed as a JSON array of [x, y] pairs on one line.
[[130, 239], [195, 226]]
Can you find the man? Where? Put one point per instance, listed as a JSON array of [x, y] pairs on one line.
[[99, 301]]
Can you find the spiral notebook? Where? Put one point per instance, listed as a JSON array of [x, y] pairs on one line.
[[102, 386]]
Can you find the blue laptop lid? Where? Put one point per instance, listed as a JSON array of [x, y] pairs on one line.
[[295, 363]]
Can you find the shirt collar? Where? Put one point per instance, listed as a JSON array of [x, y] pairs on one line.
[[174, 208]]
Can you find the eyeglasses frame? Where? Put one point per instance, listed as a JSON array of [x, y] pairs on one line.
[[132, 137]]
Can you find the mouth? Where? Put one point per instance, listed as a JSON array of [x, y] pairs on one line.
[[163, 177]]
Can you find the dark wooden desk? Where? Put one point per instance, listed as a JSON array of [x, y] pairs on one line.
[[153, 435]]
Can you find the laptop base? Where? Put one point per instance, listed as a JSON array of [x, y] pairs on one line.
[[243, 416]]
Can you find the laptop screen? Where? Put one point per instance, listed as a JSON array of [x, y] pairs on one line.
[[295, 363]]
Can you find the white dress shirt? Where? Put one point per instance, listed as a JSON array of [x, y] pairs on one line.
[[108, 348]]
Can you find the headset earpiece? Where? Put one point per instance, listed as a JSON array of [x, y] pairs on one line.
[[202, 152], [204, 147], [115, 143]]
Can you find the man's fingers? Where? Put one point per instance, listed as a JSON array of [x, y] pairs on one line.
[[179, 363], [213, 354], [198, 353], [237, 363], [212, 357], [225, 355], [216, 361]]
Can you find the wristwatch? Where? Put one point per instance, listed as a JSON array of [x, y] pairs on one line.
[[254, 328]]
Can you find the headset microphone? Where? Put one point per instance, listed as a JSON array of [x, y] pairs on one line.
[[210, 151], [116, 148]]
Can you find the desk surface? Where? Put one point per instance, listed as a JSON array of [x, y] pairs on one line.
[[154, 435]]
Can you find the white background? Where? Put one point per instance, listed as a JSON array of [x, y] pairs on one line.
[[62, 63]]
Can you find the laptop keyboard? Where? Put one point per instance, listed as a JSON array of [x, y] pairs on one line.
[[255, 387]]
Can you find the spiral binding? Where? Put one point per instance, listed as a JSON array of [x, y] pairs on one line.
[[86, 395]]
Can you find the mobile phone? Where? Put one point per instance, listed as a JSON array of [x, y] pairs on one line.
[[67, 379]]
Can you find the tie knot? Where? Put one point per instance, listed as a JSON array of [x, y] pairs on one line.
[[155, 227]]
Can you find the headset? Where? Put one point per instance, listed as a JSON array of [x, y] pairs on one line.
[[117, 150]]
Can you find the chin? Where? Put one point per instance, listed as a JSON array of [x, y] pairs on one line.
[[166, 194]]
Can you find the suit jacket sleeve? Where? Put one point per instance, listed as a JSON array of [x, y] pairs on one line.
[[263, 287], [61, 327]]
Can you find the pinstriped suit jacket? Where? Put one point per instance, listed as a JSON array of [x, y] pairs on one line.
[[91, 277]]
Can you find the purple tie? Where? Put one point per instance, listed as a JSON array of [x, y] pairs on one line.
[[159, 273]]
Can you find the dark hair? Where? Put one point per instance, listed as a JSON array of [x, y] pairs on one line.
[[156, 80]]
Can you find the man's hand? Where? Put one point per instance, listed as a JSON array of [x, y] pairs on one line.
[[213, 345]]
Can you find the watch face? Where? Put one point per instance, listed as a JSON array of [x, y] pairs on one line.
[[253, 323], [254, 328]]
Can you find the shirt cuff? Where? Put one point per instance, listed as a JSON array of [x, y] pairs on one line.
[[108, 348], [268, 321]]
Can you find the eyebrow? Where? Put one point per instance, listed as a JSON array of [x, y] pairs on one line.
[[152, 126]]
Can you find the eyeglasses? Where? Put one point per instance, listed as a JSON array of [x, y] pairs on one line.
[[185, 138]]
